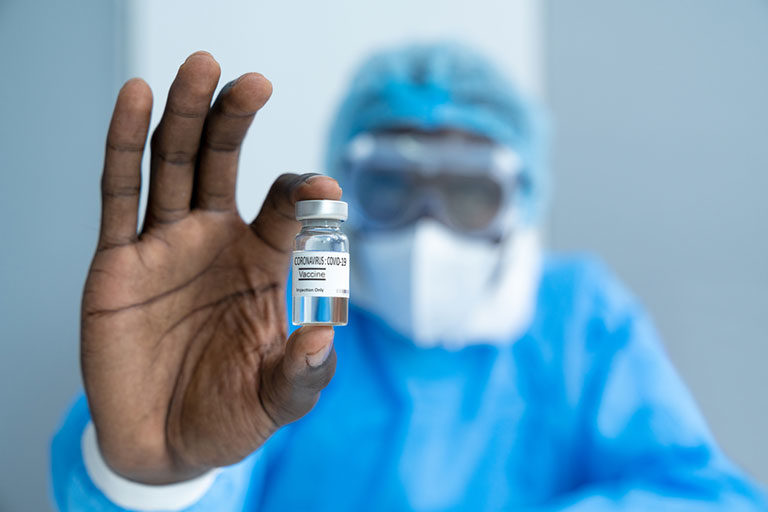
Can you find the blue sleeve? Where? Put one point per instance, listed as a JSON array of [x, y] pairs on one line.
[[643, 443], [236, 488]]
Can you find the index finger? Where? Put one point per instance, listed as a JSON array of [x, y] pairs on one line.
[[276, 223]]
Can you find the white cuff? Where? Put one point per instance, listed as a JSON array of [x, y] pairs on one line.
[[136, 496]]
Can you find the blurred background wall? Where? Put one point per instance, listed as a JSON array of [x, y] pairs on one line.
[[59, 68], [661, 167], [660, 162], [308, 51]]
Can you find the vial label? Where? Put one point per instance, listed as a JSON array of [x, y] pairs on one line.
[[320, 274]]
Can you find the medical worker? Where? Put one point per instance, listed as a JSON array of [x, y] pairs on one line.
[[477, 372]]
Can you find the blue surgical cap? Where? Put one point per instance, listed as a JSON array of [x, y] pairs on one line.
[[444, 86]]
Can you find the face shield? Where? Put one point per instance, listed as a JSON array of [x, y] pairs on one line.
[[468, 185], [438, 253]]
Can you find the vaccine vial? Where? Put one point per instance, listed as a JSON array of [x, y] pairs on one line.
[[320, 264]]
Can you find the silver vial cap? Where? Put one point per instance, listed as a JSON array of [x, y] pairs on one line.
[[321, 209]]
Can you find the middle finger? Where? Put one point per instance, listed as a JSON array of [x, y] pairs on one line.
[[176, 140], [223, 134]]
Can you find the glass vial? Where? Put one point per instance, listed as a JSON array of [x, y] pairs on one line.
[[320, 264]]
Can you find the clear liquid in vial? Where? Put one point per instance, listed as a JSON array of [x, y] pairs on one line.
[[320, 310], [321, 235]]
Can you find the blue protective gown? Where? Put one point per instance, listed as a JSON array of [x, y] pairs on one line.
[[585, 412]]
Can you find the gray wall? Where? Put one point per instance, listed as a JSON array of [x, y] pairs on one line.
[[60, 69], [661, 166]]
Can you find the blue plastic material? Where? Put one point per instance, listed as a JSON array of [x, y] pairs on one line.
[[585, 412]]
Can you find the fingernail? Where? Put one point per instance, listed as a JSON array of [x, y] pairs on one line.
[[318, 358], [227, 86], [310, 177]]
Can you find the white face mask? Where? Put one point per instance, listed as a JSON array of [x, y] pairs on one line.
[[440, 288]]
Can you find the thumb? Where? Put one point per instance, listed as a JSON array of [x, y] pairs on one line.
[[292, 386]]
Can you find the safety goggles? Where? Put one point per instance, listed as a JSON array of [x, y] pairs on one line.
[[466, 184]]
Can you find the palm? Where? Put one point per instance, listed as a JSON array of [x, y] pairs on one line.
[[194, 318], [184, 327]]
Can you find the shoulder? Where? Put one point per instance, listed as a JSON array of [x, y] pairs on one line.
[[585, 317], [583, 309], [581, 284]]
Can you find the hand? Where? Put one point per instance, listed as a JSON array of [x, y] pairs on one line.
[[183, 344]]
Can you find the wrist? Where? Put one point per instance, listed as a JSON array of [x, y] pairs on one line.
[[135, 495], [143, 458]]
